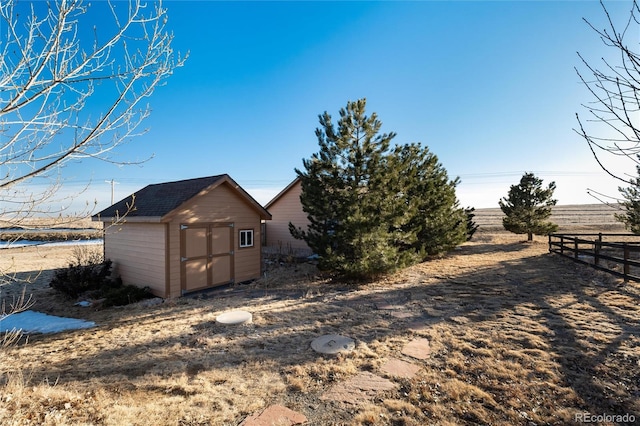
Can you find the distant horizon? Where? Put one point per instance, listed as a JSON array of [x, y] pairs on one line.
[[76, 199]]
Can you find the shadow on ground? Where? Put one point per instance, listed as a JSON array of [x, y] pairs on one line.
[[583, 326]]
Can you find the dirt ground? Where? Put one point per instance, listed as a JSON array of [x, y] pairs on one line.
[[517, 336]]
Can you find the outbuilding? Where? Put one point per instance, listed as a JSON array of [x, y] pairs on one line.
[[286, 208], [184, 236]]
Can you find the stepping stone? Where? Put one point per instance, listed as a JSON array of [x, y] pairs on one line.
[[402, 314], [235, 318], [421, 325], [399, 368], [333, 344], [359, 388], [383, 305], [418, 349], [275, 415]]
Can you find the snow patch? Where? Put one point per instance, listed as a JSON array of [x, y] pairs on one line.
[[37, 322]]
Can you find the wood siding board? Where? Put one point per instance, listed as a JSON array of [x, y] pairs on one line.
[[231, 187], [284, 209], [167, 264], [137, 251], [220, 206]]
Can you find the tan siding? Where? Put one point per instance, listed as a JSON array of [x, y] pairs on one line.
[[138, 254], [222, 204], [284, 210], [174, 260]]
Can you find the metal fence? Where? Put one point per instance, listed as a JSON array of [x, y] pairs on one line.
[[617, 254]]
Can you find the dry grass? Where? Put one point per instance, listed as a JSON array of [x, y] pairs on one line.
[[49, 229], [49, 222], [518, 336]]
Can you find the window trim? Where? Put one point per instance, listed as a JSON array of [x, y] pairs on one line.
[[246, 232]]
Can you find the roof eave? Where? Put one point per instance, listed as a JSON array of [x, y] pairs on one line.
[[127, 219], [281, 193]]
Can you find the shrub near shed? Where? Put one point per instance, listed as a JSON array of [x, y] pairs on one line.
[[94, 281]]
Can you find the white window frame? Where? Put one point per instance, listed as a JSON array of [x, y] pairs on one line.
[[243, 233]]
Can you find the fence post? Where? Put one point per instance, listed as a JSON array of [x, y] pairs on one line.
[[626, 262], [561, 244], [596, 251], [575, 246]]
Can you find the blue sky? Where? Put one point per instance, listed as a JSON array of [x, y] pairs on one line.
[[489, 87]]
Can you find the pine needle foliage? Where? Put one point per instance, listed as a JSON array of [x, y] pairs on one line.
[[528, 206], [472, 226], [373, 208], [631, 204]]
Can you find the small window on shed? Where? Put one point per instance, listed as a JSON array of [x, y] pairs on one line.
[[246, 238]]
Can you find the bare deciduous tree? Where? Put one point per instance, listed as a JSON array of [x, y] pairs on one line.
[[73, 87], [74, 79], [613, 123]]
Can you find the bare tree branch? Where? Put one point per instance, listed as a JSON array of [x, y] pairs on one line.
[[50, 72], [71, 89], [614, 115]]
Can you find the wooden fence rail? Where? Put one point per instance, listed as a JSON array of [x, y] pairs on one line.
[[620, 258]]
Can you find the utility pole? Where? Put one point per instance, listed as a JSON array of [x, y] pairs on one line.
[[113, 185]]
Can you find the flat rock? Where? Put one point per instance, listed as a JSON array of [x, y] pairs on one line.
[[398, 368], [235, 318], [418, 349], [275, 415], [421, 325], [333, 344], [383, 304], [401, 314], [358, 389]]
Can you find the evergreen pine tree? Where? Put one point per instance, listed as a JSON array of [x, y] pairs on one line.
[[527, 207], [631, 205], [433, 221], [373, 209], [472, 227], [343, 191]]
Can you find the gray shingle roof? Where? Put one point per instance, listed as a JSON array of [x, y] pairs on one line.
[[159, 199]]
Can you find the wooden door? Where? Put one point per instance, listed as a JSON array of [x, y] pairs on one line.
[[221, 258], [195, 257], [206, 254]]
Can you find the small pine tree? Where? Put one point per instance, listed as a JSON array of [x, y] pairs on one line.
[[527, 207], [472, 227], [631, 205]]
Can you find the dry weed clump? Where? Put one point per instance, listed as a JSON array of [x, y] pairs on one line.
[[369, 415], [45, 403]]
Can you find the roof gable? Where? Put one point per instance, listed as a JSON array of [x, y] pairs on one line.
[[282, 193], [158, 200]]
